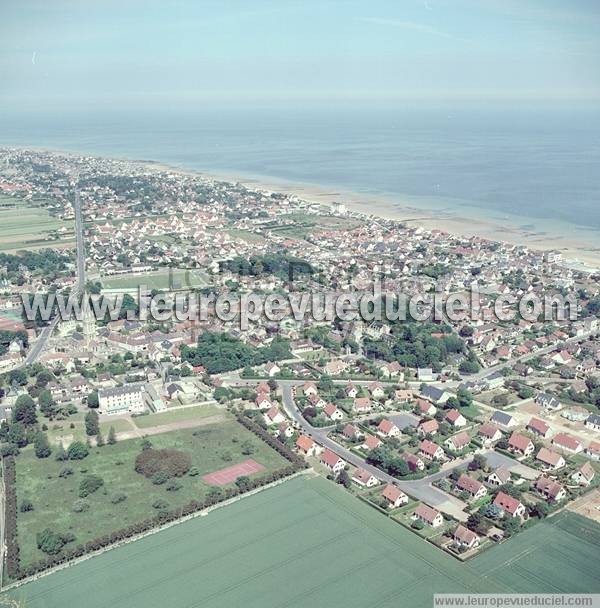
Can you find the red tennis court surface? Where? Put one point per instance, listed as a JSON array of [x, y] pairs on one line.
[[225, 476]]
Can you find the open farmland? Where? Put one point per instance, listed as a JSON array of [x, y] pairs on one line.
[[26, 226], [249, 552], [54, 494]]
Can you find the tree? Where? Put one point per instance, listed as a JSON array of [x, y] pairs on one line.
[[77, 451], [93, 401], [99, 440], [243, 483], [26, 505], [112, 438], [248, 447], [344, 479], [47, 404], [41, 446], [52, 543], [24, 410], [17, 434], [92, 423], [61, 453]]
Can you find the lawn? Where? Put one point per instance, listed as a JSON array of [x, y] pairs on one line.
[[183, 414], [162, 279], [304, 543], [61, 431], [211, 447]]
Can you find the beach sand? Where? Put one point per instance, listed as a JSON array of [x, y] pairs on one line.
[[580, 248]]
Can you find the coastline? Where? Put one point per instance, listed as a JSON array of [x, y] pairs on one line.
[[583, 255], [579, 249]]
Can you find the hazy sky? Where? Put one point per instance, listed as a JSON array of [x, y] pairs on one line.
[[60, 52]]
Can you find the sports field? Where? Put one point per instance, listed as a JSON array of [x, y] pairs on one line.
[[162, 279], [184, 414], [309, 543], [55, 494]]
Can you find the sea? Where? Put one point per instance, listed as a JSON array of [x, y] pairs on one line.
[[537, 167]]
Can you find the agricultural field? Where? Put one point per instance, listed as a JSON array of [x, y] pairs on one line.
[[184, 414], [270, 549], [162, 279], [26, 226], [53, 487]]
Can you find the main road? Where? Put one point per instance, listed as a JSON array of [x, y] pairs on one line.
[[40, 343]]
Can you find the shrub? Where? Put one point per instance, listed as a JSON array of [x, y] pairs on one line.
[[118, 497], [160, 504], [159, 478], [51, 542], [193, 472], [79, 506], [65, 472], [89, 484], [26, 505], [77, 451], [173, 486], [417, 524], [169, 462]]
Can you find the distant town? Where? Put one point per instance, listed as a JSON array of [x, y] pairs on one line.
[[465, 433]]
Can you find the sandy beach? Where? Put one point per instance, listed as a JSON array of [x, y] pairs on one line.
[[579, 247]]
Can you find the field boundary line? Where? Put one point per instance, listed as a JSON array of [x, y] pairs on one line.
[[201, 513]]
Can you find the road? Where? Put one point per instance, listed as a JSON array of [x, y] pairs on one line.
[[41, 341], [421, 489]]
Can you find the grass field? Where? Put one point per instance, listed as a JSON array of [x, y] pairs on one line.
[[211, 448], [25, 226], [162, 279], [309, 543], [177, 415], [61, 431]]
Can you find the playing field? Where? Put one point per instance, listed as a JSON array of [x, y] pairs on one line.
[[184, 414], [162, 279], [307, 543], [54, 496]]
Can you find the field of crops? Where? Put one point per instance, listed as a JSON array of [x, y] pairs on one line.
[[308, 543], [55, 495], [25, 226]]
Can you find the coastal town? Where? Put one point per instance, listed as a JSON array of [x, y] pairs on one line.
[[464, 432]]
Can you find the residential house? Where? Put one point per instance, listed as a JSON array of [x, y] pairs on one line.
[[428, 515], [362, 405], [509, 505], [332, 461], [550, 460], [371, 442], [550, 489], [458, 442], [428, 427], [435, 395], [274, 416], [464, 538], [489, 433], [306, 445], [548, 402], [520, 444], [425, 408], [504, 420], [567, 442], [499, 477], [474, 488], [593, 450], [364, 478], [538, 427], [394, 496], [430, 450], [455, 418], [387, 428], [584, 474], [593, 422], [351, 432], [332, 412]]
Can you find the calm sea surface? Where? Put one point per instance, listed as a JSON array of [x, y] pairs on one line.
[[533, 164]]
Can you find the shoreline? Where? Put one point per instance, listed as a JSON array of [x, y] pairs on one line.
[[578, 249], [581, 255]]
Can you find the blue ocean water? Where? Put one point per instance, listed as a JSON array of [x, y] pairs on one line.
[[533, 163]]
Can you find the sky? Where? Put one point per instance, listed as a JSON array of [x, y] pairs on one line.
[[65, 53]]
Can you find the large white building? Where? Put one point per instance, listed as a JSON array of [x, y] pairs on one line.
[[130, 398]]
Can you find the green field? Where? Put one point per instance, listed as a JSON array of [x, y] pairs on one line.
[[197, 412], [309, 543], [162, 279], [26, 226], [211, 447]]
